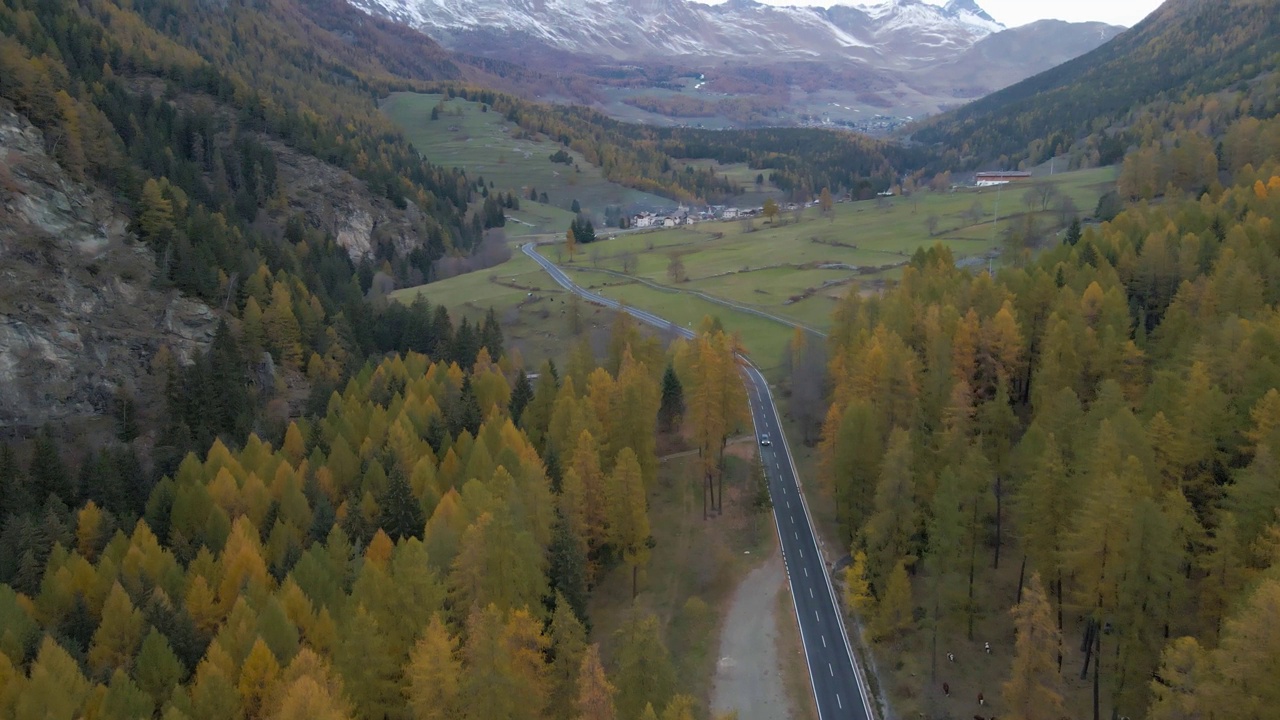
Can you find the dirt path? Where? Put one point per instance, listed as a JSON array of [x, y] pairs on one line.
[[748, 673]]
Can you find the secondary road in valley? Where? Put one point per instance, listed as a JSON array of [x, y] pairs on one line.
[[837, 681]]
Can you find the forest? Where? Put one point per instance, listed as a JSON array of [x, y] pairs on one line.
[[1088, 106], [1101, 422], [388, 518], [422, 546]]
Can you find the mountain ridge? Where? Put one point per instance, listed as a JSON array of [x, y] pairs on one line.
[[1183, 48], [842, 60]]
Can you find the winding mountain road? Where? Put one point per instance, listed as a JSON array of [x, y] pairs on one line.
[[837, 681]]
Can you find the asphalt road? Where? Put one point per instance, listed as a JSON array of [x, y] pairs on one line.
[[837, 682]]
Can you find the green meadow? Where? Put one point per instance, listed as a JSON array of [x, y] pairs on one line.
[[485, 144], [795, 268]]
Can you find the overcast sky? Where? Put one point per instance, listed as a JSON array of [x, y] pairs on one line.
[[1020, 12]]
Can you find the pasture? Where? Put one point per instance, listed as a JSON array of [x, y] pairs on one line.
[[798, 266], [484, 144]]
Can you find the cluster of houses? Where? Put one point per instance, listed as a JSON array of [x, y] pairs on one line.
[[685, 216], [999, 177], [688, 216]]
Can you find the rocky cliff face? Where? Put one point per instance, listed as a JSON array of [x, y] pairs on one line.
[[334, 200], [79, 315]]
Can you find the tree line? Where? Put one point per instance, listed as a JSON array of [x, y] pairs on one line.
[[428, 535], [1102, 419]]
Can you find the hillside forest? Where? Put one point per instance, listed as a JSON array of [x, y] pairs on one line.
[[1098, 422], [344, 507], [423, 547]]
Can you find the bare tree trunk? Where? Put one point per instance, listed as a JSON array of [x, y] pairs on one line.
[[973, 566], [1097, 663], [635, 573], [933, 661], [702, 486], [1059, 591], [1022, 576], [1086, 647], [999, 519], [720, 482]]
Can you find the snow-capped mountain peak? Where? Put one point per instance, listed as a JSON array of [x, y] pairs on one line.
[[969, 12], [638, 30]]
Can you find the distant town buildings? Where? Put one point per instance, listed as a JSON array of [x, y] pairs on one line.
[[999, 177]]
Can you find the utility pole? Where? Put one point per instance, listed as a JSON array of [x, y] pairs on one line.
[[997, 220]]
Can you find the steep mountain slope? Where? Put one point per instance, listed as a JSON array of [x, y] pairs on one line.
[[667, 29], [1185, 48], [877, 56], [80, 317], [163, 157]]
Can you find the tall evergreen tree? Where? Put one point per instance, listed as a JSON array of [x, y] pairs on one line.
[[672, 406], [466, 345], [491, 334], [567, 565], [521, 395], [401, 512], [14, 499], [568, 645], [47, 474]]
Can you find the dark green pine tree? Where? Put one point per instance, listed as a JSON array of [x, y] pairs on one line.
[[135, 484], [401, 512], [175, 434], [575, 207], [491, 335], [1073, 232], [419, 330], [126, 414], [441, 334], [47, 474], [174, 622], [466, 344], [583, 231], [555, 473], [323, 517], [465, 413], [567, 566], [437, 433], [13, 529], [159, 508], [228, 386], [672, 400], [14, 498], [521, 394]]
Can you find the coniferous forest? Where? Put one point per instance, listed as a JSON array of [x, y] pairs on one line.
[[1101, 421], [422, 547], [344, 507]]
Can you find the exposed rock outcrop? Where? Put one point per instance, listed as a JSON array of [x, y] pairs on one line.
[[79, 315], [337, 202]]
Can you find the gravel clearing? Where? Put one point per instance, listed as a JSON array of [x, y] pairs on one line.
[[748, 673]]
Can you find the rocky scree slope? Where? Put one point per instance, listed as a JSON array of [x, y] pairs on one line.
[[80, 316]]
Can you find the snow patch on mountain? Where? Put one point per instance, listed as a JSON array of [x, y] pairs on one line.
[[662, 29]]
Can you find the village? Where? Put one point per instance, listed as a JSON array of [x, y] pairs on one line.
[[684, 215]]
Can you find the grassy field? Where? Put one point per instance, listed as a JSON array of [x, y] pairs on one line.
[[797, 269], [528, 304], [485, 144], [694, 568]]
